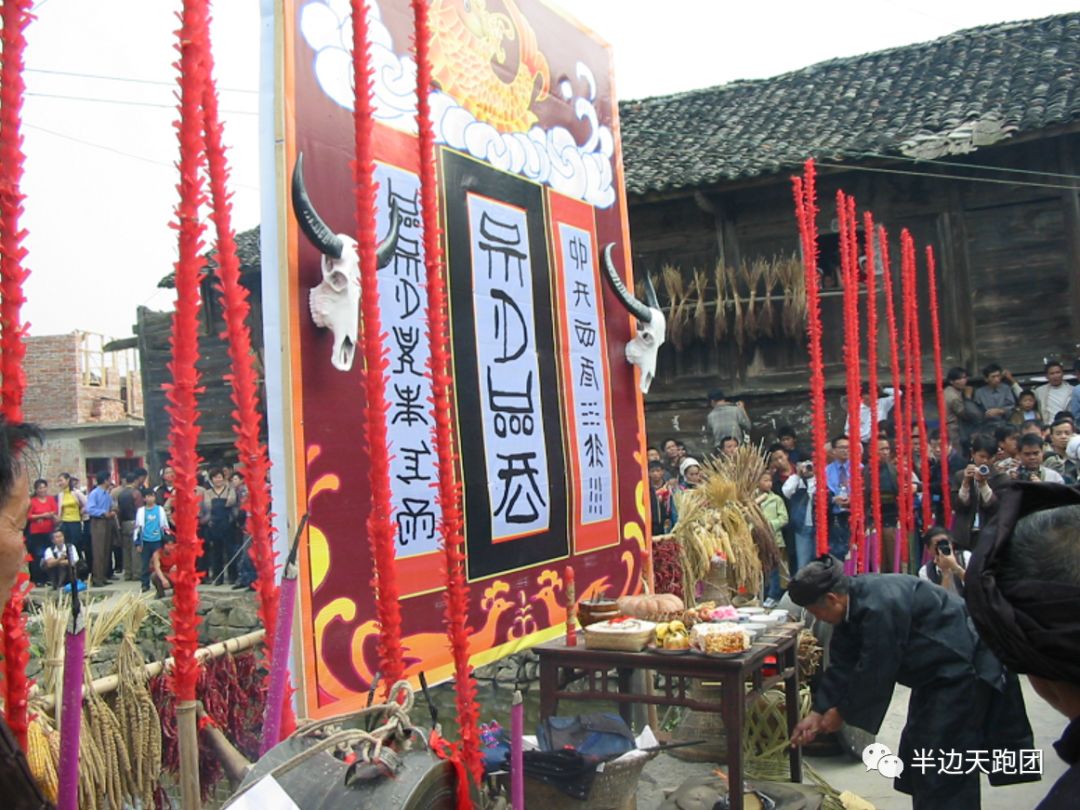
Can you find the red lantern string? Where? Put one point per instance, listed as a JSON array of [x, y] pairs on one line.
[[247, 418], [900, 392], [16, 16], [453, 539], [943, 428], [184, 429], [907, 246], [380, 526], [806, 215], [872, 380], [849, 269]]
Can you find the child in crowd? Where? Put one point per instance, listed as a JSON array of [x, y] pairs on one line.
[[1027, 409], [772, 506]]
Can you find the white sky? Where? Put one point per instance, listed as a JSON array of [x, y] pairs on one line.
[[100, 181]]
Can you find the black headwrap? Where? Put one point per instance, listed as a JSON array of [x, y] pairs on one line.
[[815, 579], [1033, 626]]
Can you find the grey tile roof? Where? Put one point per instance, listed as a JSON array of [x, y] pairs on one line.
[[948, 96], [247, 251]]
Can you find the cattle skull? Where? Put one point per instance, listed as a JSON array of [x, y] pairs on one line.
[[651, 323], [335, 301]]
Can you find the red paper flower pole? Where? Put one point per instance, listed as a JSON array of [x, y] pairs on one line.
[[247, 418], [872, 563], [806, 214], [900, 392], [380, 526], [943, 428], [849, 270], [907, 245], [184, 429], [16, 16], [453, 539]]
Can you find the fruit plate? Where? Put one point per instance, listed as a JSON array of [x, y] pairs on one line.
[[663, 651]]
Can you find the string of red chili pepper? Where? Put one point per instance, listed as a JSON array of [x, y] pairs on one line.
[[453, 539], [872, 383], [181, 392], [380, 527], [943, 427], [806, 211], [900, 392], [16, 16], [247, 418]]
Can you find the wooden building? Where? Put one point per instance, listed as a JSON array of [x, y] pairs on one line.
[[972, 142], [152, 333]]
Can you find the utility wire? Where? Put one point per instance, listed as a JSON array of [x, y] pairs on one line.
[[879, 170], [131, 79], [129, 103]]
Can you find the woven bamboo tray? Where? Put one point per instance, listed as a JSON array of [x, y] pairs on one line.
[[597, 637], [615, 788]]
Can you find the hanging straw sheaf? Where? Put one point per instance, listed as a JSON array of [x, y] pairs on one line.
[[793, 283], [701, 312], [770, 276], [744, 468], [678, 320], [135, 710], [720, 280], [453, 539]]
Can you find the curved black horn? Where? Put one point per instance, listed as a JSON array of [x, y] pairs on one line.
[[637, 309], [385, 252], [308, 218]]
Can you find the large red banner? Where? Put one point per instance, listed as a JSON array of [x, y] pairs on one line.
[[549, 419]]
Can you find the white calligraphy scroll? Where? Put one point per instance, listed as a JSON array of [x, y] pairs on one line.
[[509, 369], [403, 299], [589, 385]]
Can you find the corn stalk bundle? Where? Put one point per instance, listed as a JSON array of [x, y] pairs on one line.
[[135, 710], [701, 314], [720, 275], [678, 320]]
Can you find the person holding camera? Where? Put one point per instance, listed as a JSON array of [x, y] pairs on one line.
[[974, 500], [799, 488], [949, 563], [1031, 467]]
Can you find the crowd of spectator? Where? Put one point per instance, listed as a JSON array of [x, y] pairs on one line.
[[125, 530], [997, 432]]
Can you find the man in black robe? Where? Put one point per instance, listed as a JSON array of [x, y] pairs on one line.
[[1024, 597], [896, 628]]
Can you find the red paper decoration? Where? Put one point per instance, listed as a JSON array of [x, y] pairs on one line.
[[872, 383], [380, 526], [849, 270], [806, 213], [16, 16], [943, 428], [453, 540], [184, 429], [907, 248]]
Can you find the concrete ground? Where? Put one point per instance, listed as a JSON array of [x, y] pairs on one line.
[[666, 772]]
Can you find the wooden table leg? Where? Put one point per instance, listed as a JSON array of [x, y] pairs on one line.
[[734, 715], [791, 698], [626, 708], [549, 673]]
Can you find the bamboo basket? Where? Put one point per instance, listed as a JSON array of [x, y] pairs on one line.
[[615, 788], [765, 737]]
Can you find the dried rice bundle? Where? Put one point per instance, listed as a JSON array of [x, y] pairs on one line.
[[754, 273], [720, 275], [678, 319], [793, 281], [701, 314], [135, 710], [705, 530], [743, 468], [736, 301], [770, 276]]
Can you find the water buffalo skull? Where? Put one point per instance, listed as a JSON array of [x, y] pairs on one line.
[[335, 301], [651, 323]]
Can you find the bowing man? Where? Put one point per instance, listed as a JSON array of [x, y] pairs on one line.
[[896, 628]]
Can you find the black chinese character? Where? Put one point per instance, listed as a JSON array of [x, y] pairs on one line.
[[415, 521], [579, 252], [585, 333], [587, 377], [521, 504], [411, 457], [408, 405], [582, 295], [406, 338], [406, 294], [595, 452], [503, 238]]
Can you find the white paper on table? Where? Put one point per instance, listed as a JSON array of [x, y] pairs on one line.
[[266, 794], [646, 739]]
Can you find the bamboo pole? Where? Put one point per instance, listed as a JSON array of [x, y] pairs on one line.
[[109, 683], [187, 733]]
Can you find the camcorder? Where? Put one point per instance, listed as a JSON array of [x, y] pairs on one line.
[[806, 468]]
